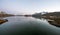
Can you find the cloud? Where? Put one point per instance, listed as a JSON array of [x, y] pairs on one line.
[[29, 6]]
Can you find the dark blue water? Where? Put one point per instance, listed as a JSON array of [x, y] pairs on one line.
[[20, 25]]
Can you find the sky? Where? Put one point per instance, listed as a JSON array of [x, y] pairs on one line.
[[29, 6]]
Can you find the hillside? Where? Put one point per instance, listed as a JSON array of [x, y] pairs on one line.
[[52, 14], [4, 14]]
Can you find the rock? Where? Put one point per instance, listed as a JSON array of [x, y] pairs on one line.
[[53, 22], [3, 21]]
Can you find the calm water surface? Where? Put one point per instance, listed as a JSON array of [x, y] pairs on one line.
[[20, 25]]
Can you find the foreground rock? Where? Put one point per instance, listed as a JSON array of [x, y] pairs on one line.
[[55, 22], [3, 21]]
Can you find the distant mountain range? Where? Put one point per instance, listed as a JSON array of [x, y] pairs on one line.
[[52, 14], [38, 15]]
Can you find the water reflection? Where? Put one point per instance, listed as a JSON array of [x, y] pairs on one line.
[[28, 26]]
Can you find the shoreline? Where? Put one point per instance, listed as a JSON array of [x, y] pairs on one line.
[[55, 22], [3, 21]]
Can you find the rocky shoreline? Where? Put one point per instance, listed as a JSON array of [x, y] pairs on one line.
[[3, 21], [55, 22]]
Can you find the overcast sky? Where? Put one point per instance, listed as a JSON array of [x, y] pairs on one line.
[[29, 6]]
